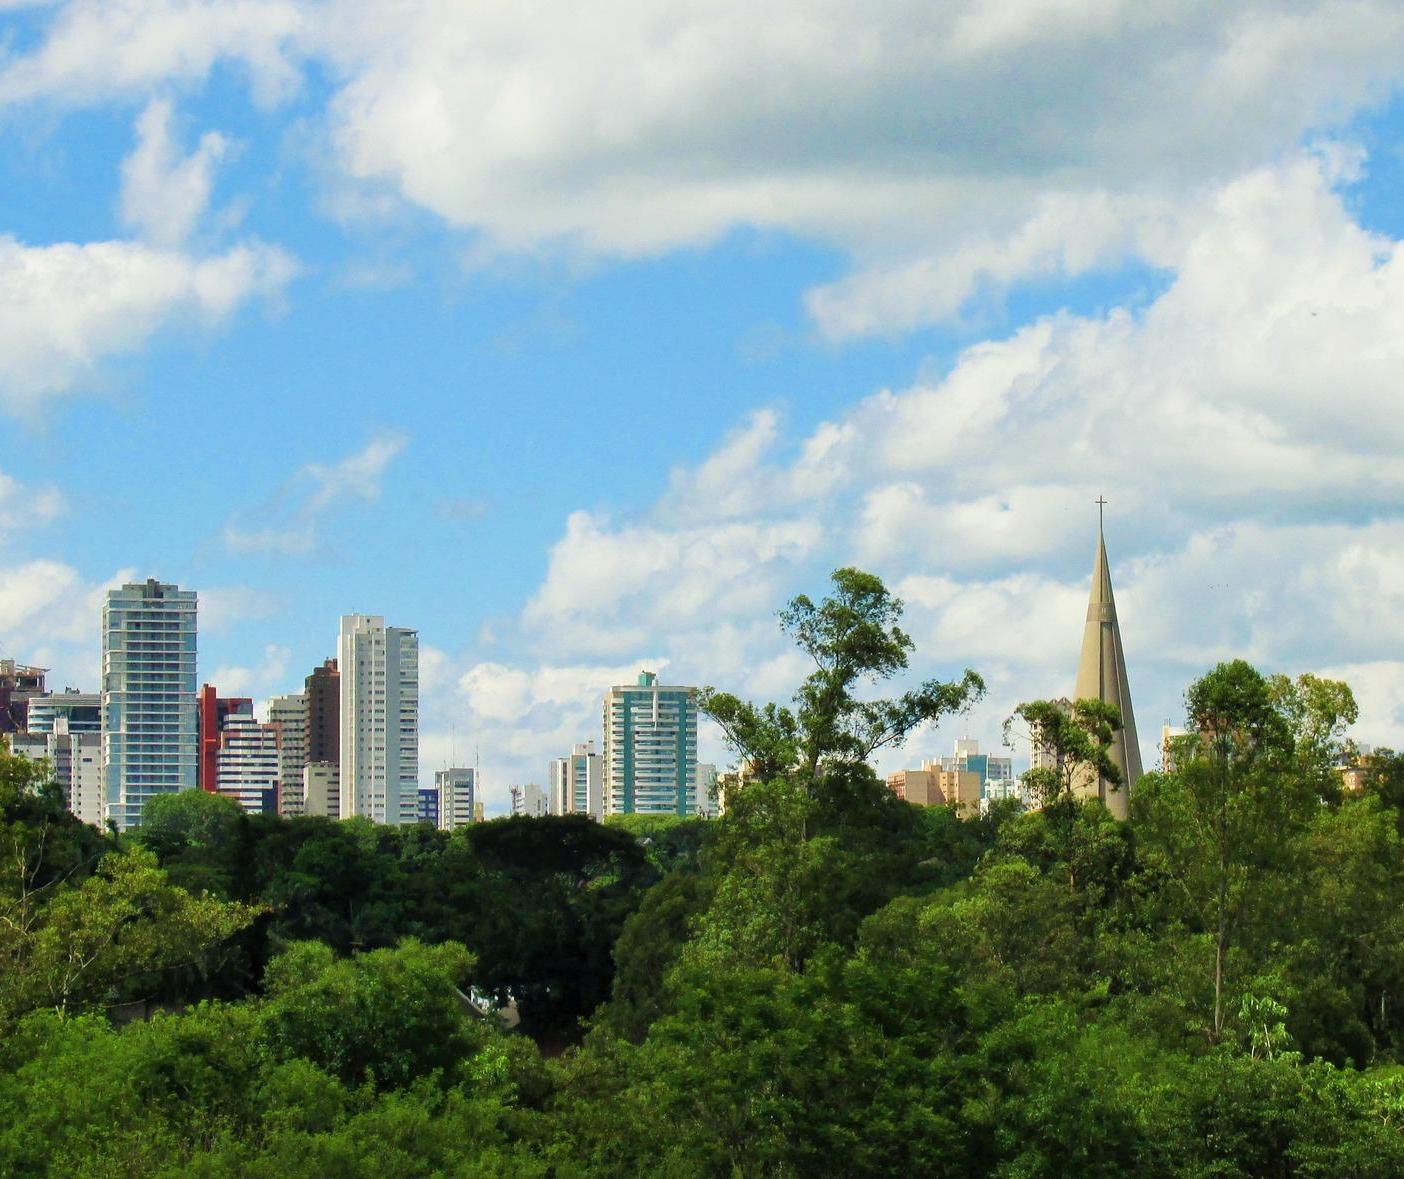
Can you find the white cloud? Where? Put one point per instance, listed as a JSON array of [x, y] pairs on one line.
[[608, 588], [65, 308], [95, 50], [49, 616], [27, 507], [261, 680], [289, 525], [950, 148], [223, 607], [164, 194], [1245, 426]]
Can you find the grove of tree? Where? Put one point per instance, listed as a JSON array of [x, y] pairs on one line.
[[827, 981]]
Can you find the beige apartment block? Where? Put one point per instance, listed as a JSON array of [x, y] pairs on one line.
[[933, 786]]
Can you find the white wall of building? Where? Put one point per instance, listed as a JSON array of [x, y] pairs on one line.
[[379, 720]]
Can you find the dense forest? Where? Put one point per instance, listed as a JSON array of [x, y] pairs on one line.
[[827, 981]]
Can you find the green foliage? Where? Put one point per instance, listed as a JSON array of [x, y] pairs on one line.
[[88, 939], [383, 1018], [1221, 824], [853, 639], [364, 1067], [1074, 743], [826, 981]]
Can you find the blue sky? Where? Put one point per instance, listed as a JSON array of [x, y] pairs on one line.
[[582, 344]]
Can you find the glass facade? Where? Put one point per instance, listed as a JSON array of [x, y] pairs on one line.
[[650, 749], [149, 727]]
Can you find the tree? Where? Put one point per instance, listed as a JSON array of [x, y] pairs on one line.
[[1221, 821], [89, 938], [554, 894], [853, 638], [1072, 743]]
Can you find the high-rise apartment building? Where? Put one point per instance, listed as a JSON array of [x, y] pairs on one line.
[[650, 748], [529, 801], [428, 806], [379, 703], [80, 711], [321, 789], [990, 767], [575, 784], [288, 714], [75, 757], [456, 791], [65, 729], [323, 691], [149, 728], [248, 763], [214, 711]]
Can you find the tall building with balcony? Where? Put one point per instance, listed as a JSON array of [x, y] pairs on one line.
[[650, 748], [248, 761], [214, 712], [80, 712], [575, 784], [456, 791], [65, 729], [75, 758], [288, 714], [379, 720], [149, 727]]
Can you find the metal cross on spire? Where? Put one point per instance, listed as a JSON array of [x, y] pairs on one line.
[[1101, 503]]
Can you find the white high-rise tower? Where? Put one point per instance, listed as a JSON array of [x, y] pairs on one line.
[[149, 726], [379, 668]]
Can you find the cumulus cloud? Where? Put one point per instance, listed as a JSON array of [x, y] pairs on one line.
[[260, 680], [289, 524], [949, 148], [1244, 425], [64, 308], [96, 50], [49, 616], [608, 588], [164, 194]]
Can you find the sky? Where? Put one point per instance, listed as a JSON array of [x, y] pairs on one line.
[[581, 337]]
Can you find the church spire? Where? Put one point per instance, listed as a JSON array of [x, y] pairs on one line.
[[1101, 675]]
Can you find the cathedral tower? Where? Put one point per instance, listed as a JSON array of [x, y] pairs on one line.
[[1101, 675]]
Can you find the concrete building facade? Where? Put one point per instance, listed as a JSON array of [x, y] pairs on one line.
[[81, 712], [575, 784], [457, 790], [321, 789], [248, 763], [650, 748], [76, 761], [288, 714], [379, 719], [149, 726]]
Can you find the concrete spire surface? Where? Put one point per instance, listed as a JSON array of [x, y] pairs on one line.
[[1101, 675]]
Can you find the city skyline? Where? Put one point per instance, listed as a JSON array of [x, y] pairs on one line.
[[578, 374]]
